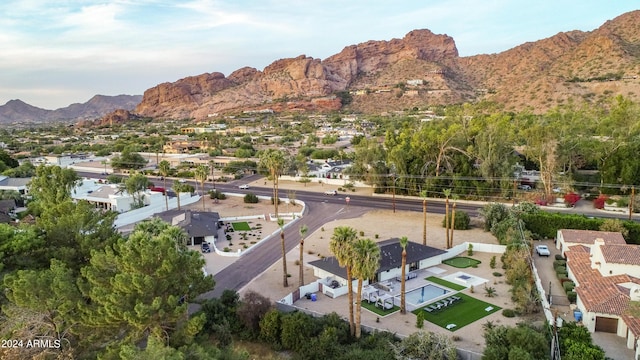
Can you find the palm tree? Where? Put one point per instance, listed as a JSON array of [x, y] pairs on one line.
[[453, 222], [403, 244], [366, 261], [447, 193], [274, 161], [285, 283], [340, 245], [303, 233], [423, 193], [212, 165], [164, 168], [179, 187], [201, 173]]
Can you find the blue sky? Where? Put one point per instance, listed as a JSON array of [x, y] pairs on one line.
[[58, 52]]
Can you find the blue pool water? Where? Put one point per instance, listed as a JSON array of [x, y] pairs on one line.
[[424, 294]]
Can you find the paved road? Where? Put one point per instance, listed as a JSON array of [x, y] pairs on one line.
[[262, 256]]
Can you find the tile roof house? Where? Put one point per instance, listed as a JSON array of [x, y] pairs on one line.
[[607, 278], [418, 257]]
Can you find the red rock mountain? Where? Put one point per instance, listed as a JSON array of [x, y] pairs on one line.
[[420, 69]]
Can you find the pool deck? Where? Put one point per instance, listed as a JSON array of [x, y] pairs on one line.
[[469, 337]]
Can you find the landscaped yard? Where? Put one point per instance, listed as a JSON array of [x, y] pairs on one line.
[[382, 312], [450, 285], [241, 226], [462, 262], [460, 313]]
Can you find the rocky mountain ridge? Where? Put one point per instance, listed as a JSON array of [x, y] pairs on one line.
[[420, 69], [17, 111]]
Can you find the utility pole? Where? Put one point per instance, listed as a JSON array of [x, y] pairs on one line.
[[633, 199], [514, 192]]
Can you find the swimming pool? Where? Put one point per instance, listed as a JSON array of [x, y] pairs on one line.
[[424, 294]]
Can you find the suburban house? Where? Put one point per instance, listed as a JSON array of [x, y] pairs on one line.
[[111, 197], [200, 226], [418, 257], [6, 209], [607, 277], [567, 238], [14, 184]]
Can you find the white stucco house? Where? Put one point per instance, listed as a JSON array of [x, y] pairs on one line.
[[607, 277], [418, 257], [110, 197]]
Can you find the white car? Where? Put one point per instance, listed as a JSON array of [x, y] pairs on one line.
[[524, 187], [243, 186], [543, 250], [331, 192]]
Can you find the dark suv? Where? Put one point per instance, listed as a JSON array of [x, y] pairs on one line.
[[205, 247]]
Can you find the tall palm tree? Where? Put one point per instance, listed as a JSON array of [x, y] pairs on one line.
[[201, 173], [164, 168], [423, 193], [179, 187], [340, 245], [447, 193], [303, 233], [453, 223], [403, 244], [285, 283], [366, 261], [212, 165], [274, 161]]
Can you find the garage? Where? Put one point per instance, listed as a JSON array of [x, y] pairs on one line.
[[605, 324]]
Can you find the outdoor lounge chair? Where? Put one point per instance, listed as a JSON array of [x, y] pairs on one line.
[[457, 298]]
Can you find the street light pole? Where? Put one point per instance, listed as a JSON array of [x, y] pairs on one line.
[[394, 193]]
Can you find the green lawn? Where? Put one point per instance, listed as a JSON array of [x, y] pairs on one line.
[[241, 226], [462, 262], [461, 313], [450, 285], [382, 312]]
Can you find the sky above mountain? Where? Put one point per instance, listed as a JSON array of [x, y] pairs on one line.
[[55, 53]]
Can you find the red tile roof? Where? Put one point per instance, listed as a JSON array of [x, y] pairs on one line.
[[621, 254], [589, 236], [598, 293]]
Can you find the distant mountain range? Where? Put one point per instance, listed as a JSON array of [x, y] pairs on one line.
[[419, 70], [19, 112]]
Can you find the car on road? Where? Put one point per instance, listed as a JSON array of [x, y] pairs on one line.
[[331, 192], [205, 248], [243, 186], [543, 250]]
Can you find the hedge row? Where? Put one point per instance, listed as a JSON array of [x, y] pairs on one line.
[[546, 225]]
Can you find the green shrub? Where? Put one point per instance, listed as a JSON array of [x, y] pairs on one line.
[[251, 198], [559, 257], [420, 320], [462, 221], [272, 203], [562, 275], [568, 286], [217, 194], [492, 263], [497, 274], [508, 313], [361, 233], [557, 263], [571, 295]]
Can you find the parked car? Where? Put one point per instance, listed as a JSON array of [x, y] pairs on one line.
[[243, 186], [543, 250], [524, 187], [205, 248], [331, 192]]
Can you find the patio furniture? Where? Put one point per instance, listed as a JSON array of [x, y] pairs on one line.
[[451, 326], [457, 298], [429, 309]]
